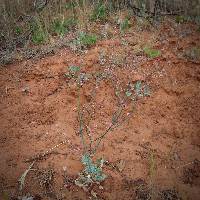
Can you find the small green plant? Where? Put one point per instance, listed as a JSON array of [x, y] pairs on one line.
[[86, 40], [61, 27], [137, 90], [151, 53], [74, 69], [99, 12], [73, 72], [39, 34], [124, 25], [18, 30], [92, 171], [39, 37]]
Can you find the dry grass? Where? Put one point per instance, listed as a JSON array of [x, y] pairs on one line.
[[25, 23]]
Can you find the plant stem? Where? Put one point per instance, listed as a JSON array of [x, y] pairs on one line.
[[112, 126]]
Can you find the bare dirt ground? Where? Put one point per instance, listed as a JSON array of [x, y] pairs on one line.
[[155, 154]]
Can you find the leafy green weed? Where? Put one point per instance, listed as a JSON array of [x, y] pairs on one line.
[[91, 173]]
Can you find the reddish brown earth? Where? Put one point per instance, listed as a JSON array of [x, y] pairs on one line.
[[159, 143]]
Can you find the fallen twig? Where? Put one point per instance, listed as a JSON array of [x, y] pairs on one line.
[[22, 178]]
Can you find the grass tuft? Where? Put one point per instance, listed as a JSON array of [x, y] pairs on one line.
[[61, 27], [39, 34], [86, 40], [124, 25], [152, 53], [99, 13]]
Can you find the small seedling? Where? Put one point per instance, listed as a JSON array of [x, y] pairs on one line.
[[73, 72], [18, 30], [74, 69], [59, 27], [152, 53], [137, 90], [39, 37], [91, 173]]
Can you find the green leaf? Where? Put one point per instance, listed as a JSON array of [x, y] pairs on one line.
[[86, 160], [74, 69], [101, 177], [138, 87], [92, 171], [128, 93], [18, 30]]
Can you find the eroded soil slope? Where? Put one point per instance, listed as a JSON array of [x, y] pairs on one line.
[[157, 148]]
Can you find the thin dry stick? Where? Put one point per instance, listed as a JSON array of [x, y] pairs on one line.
[[23, 176], [90, 136], [115, 123]]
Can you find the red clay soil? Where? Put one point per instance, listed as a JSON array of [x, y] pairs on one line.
[[157, 148]]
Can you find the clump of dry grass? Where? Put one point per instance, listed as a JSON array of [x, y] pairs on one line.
[[46, 18], [27, 23]]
